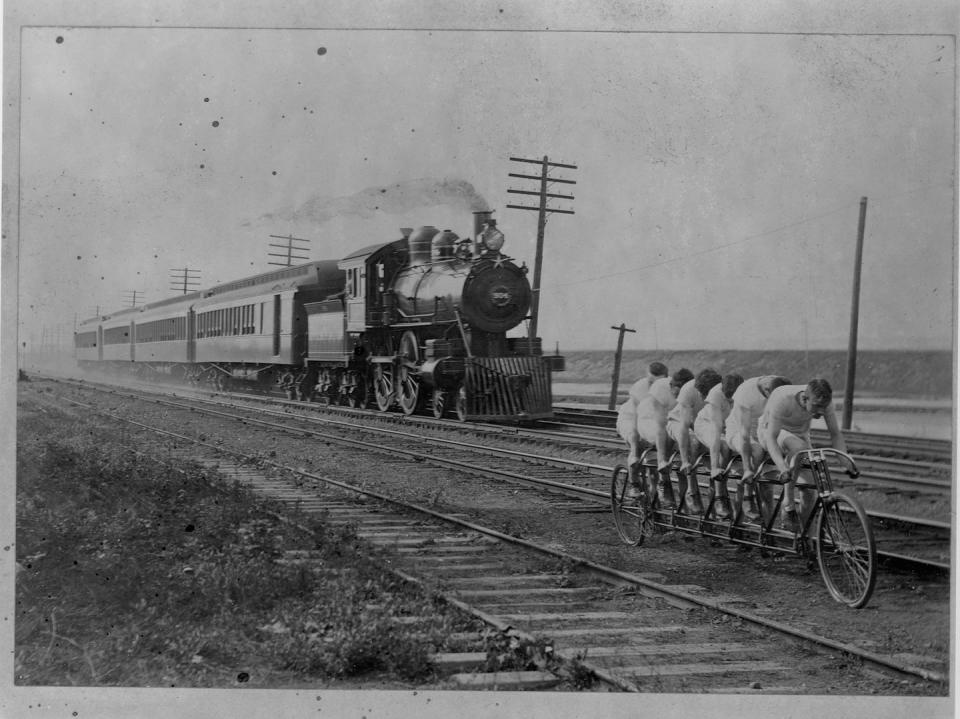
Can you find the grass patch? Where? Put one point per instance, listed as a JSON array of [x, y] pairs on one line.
[[131, 574]]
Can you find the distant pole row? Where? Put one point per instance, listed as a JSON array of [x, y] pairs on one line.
[[289, 247], [185, 278]]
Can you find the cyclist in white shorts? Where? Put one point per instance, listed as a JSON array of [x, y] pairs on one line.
[[784, 430], [652, 427], [741, 431], [709, 430], [679, 425], [627, 416]]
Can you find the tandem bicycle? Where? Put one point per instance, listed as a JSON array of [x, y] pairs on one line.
[[836, 530]]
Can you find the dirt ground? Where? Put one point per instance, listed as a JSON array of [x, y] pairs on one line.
[[908, 617]]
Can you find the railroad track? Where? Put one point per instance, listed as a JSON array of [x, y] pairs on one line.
[[909, 542], [630, 630]]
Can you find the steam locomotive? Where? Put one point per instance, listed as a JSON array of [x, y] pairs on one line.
[[416, 323]]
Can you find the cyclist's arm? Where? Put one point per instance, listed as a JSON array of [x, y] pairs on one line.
[[837, 440], [770, 433]]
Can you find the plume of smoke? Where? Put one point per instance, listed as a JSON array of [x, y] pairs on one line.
[[394, 199]]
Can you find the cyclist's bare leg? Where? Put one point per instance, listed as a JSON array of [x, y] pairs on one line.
[[664, 486], [805, 497], [791, 444], [688, 488], [751, 454], [721, 499]]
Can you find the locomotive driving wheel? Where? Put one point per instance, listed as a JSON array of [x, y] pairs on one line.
[[383, 386], [408, 379]]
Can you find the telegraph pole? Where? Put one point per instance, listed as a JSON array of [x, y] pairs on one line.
[[290, 248], [132, 296], [186, 278], [854, 320], [545, 180], [616, 365]]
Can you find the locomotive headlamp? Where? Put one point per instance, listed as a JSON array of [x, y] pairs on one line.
[[492, 239]]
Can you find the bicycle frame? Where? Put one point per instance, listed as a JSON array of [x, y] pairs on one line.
[[845, 549]]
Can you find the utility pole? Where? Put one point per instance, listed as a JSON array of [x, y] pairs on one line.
[[616, 364], [545, 180], [289, 247], [132, 296], [186, 278], [854, 320]]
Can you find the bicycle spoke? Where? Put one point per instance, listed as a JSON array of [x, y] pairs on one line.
[[846, 551], [629, 512]]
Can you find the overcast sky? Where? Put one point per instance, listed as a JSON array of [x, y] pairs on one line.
[[718, 179]]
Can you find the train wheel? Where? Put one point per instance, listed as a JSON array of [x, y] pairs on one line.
[[460, 404], [438, 403], [846, 550], [408, 381], [631, 508], [383, 387], [409, 391]]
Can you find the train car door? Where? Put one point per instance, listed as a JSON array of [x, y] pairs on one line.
[[191, 336], [276, 325], [133, 341], [100, 343]]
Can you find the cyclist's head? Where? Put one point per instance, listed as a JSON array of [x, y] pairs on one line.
[[819, 396], [680, 378], [730, 383], [767, 384], [706, 380], [657, 369]]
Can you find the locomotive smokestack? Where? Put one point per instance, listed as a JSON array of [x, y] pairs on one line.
[[405, 231], [479, 219], [420, 244]]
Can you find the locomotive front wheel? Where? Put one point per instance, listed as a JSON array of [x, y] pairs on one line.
[[383, 387], [460, 405], [438, 403], [846, 550]]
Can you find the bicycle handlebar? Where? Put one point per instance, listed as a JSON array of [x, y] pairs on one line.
[[823, 452]]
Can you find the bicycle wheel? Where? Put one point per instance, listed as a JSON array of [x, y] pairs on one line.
[[631, 510], [846, 550]]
